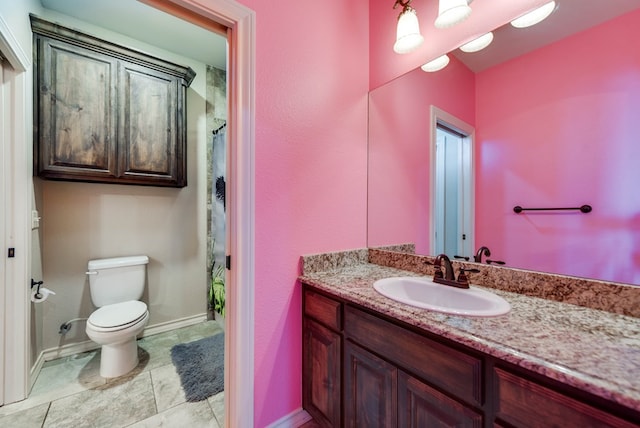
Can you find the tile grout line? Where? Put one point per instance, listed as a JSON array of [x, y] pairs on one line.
[[45, 415], [161, 346]]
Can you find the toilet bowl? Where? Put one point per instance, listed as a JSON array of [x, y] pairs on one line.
[[116, 284], [115, 327]]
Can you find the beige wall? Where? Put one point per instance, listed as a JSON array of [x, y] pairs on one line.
[[82, 221], [16, 16]]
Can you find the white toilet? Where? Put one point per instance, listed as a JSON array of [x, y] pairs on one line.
[[116, 286]]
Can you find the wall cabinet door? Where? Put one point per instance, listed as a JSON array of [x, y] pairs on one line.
[[419, 406], [321, 364], [77, 113], [370, 392], [106, 113], [151, 121]]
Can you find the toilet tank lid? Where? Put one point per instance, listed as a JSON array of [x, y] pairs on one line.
[[117, 262]]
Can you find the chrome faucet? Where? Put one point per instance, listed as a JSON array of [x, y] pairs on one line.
[[482, 250]]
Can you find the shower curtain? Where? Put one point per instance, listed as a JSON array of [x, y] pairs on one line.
[[218, 218]]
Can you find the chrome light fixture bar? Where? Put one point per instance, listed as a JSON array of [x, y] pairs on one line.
[[408, 37]]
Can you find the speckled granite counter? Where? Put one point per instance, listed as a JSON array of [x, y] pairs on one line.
[[590, 349]]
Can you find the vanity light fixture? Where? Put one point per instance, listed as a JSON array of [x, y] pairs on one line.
[[535, 16], [408, 37], [452, 12], [436, 64], [478, 43]]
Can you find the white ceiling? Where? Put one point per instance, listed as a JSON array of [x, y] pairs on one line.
[[141, 22], [570, 16]]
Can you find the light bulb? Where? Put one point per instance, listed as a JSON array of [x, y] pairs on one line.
[[478, 43], [452, 12], [408, 37], [436, 64], [535, 16]]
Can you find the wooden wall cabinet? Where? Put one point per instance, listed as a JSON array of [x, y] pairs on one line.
[[106, 113], [361, 369]]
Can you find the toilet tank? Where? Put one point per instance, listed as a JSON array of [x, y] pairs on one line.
[[117, 279]]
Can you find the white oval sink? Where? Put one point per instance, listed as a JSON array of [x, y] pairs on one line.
[[424, 293]]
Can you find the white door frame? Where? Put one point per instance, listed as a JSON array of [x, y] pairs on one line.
[[239, 337], [17, 192], [440, 116]]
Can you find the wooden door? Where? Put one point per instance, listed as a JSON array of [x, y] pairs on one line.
[[370, 389], [77, 111], [321, 365], [420, 405], [151, 134]]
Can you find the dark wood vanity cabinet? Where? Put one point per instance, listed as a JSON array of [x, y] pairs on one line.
[[106, 113], [370, 389], [322, 359], [523, 402], [354, 371], [361, 369]]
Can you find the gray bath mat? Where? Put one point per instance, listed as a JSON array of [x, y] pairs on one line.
[[200, 365]]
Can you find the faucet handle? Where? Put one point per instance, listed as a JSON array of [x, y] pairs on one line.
[[437, 271], [462, 277], [465, 258], [498, 262]]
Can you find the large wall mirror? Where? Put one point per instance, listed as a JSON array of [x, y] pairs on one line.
[[555, 114]]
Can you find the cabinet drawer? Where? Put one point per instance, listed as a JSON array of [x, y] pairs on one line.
[[524, 403], [323, 309], [453, 371]]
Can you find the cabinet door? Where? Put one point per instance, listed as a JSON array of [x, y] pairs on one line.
[[419, 406], [151, 135], [321, 373], [370, 389], [77, 112], [524, 403]]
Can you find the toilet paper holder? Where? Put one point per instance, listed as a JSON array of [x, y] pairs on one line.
[[36, 284]]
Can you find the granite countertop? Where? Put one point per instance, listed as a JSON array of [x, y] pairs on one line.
[[590, 349]]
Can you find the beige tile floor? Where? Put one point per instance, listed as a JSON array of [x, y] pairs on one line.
[[69, 392]]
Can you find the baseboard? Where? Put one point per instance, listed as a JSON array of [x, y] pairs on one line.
[[69, 349], [89, 345], [35, 371], [174, 324], [292, 420]]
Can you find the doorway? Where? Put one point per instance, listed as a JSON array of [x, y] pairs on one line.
[[239, 26], [15, 200], [3, 141], [452, 195]]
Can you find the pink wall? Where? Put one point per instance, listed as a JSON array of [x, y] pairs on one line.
[[386, 65], [577, 145], [311, 170], [399, 132]]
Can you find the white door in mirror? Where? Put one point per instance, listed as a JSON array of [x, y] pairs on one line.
[[424, 293]]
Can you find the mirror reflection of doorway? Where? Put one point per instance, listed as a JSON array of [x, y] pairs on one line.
[[449, 191], [451, 185]]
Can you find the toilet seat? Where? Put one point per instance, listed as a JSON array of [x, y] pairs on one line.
[[118, 316]]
